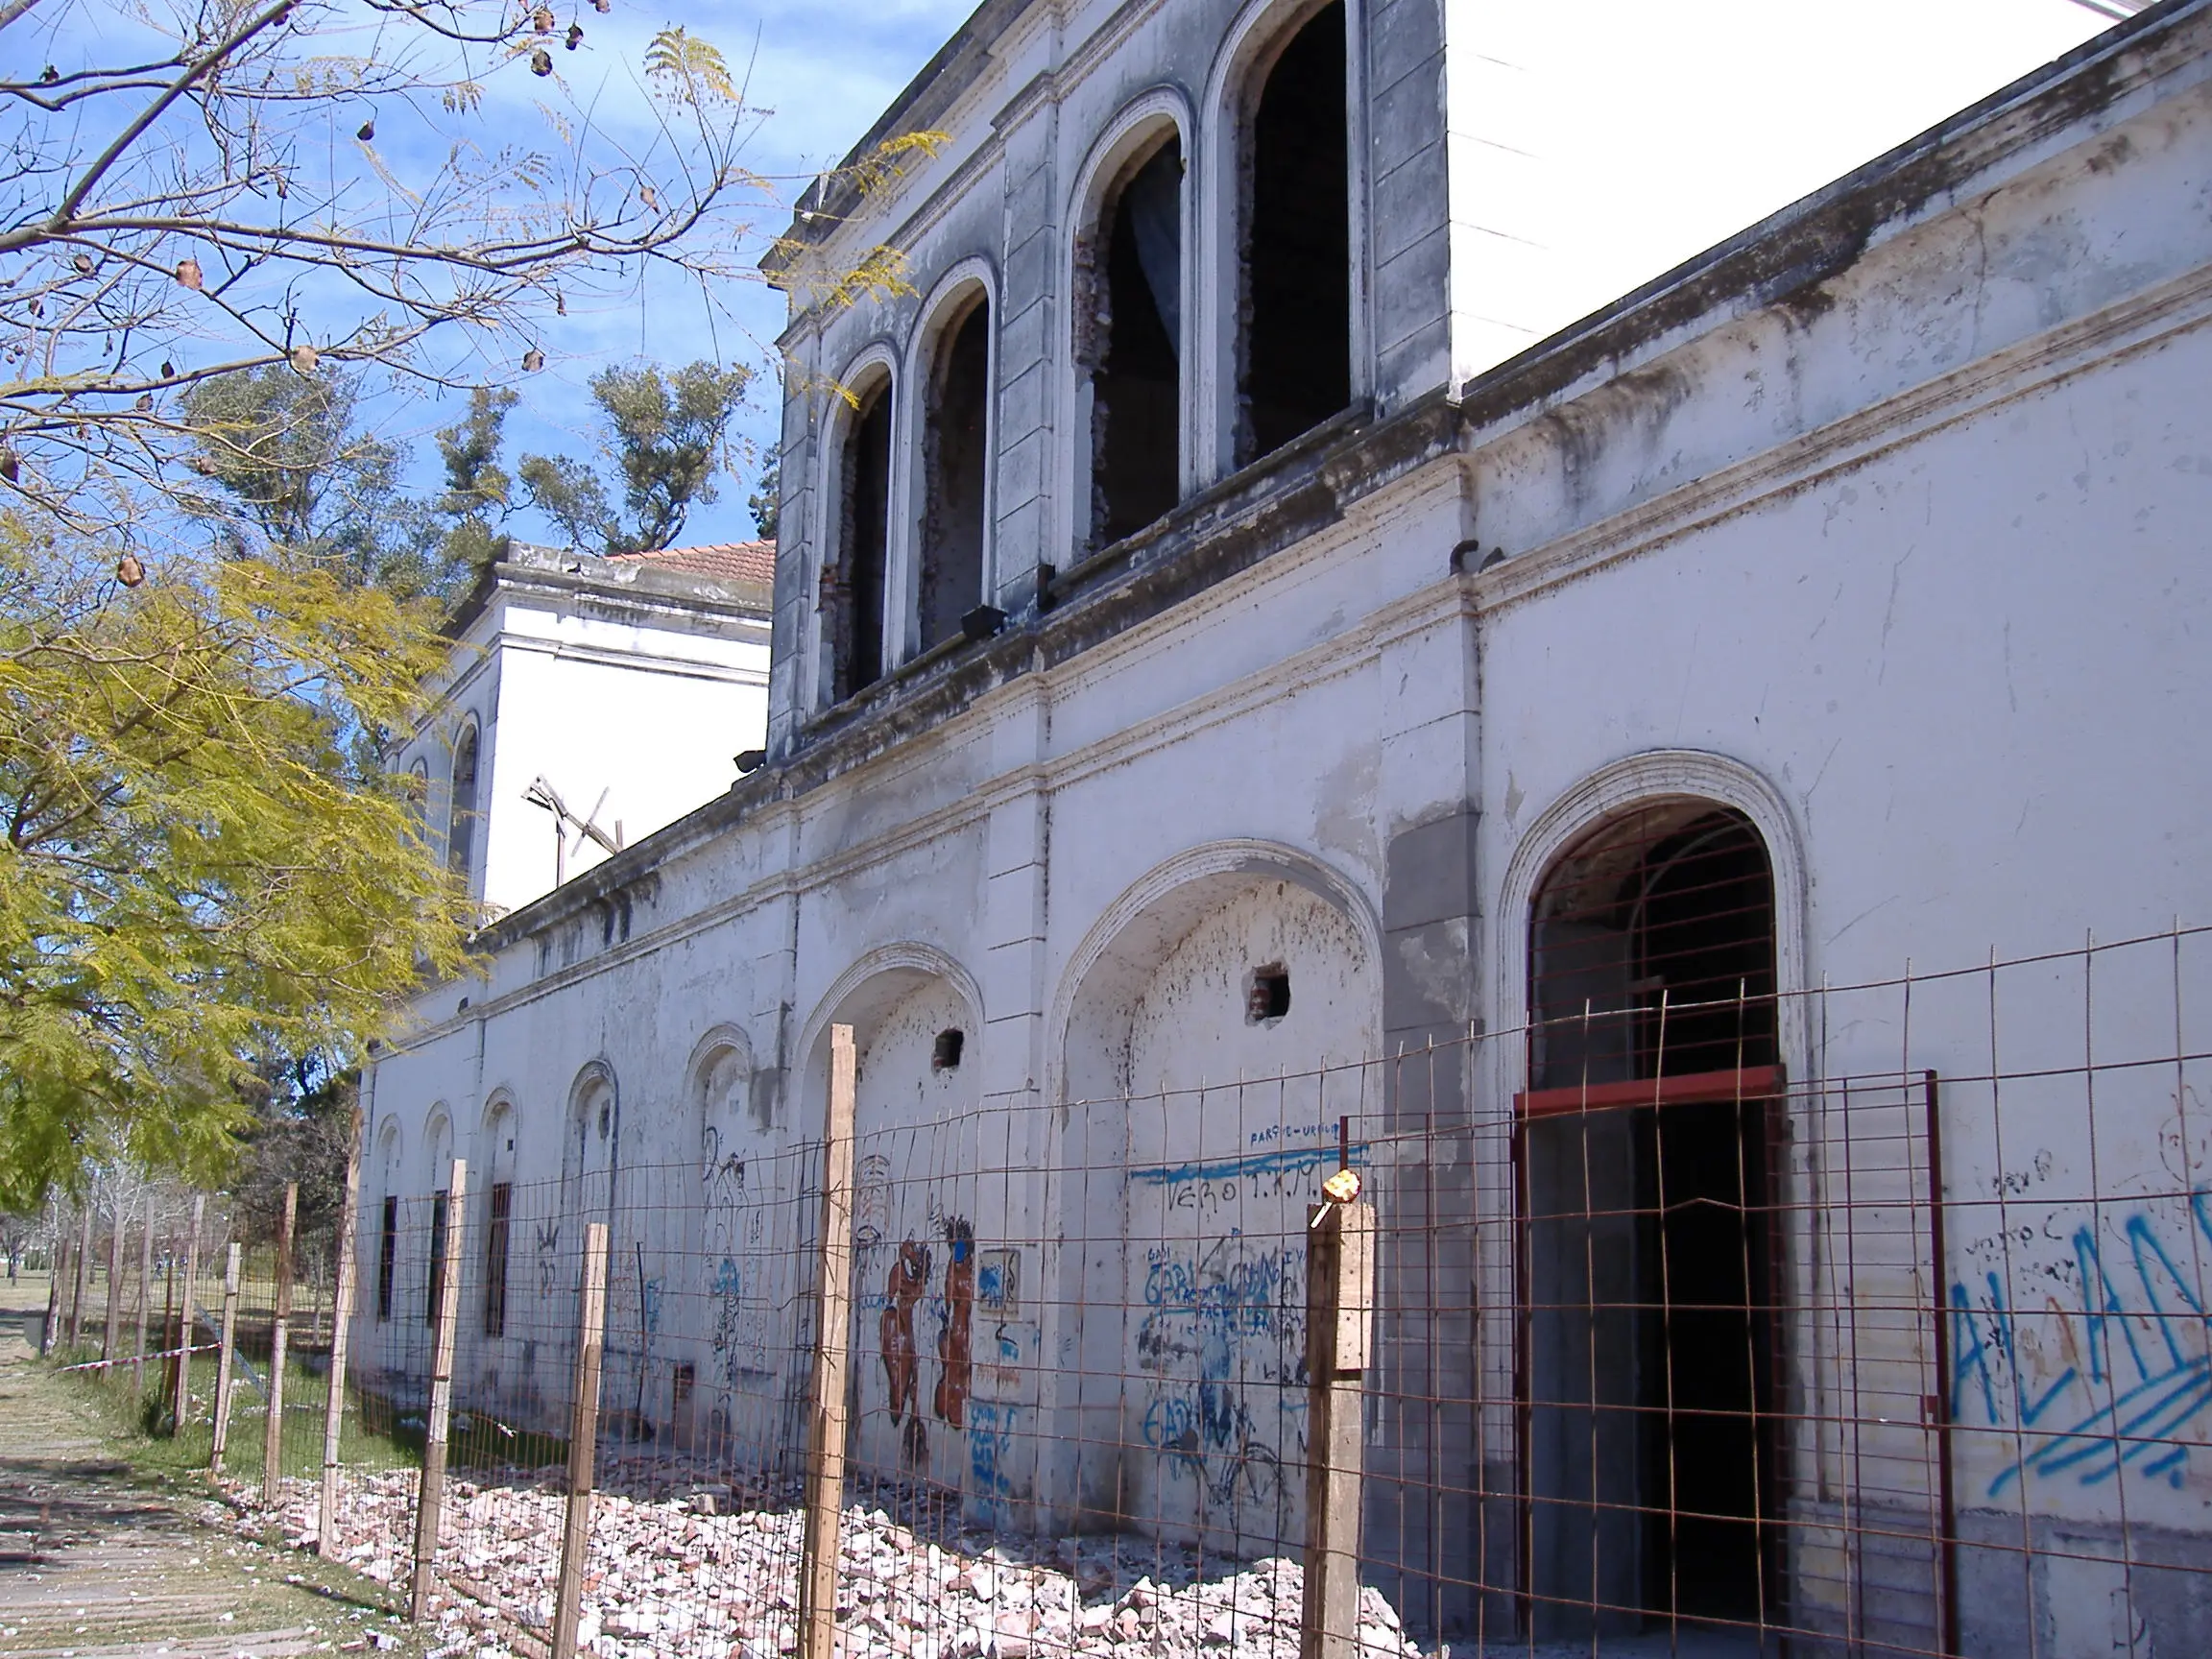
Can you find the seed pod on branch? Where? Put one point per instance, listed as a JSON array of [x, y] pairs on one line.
[[540, 62]]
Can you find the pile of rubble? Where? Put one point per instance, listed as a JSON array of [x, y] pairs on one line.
[[705, 1573]]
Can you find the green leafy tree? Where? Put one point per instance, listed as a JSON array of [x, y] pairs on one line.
[[198, 867], [664, 436], [766, 502], [224, 226], [475, 502]]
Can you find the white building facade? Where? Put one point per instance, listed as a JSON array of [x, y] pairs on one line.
[[627, 686], [1205, 675]]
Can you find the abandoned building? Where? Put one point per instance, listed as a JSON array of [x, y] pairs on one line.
[[1312, 625]]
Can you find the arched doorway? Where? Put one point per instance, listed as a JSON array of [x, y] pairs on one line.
[[1648, 1151], [1218, 1025]]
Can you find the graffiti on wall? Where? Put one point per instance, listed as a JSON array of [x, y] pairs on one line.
[[909, 1279], [2113, 1370], [733, 1221], [1224, 1331], [955, 1339]]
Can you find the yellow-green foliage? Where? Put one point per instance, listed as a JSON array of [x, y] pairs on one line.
[[198, 860]]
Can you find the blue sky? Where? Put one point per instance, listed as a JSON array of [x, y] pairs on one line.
[[826, 74], [821, 77]]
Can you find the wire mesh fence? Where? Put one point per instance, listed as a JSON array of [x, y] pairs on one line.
[[1865, 1319]]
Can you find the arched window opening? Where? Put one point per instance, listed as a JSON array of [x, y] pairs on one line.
[[1651, 952], [460, 816], [1294, 368], [1129, 343], [852, 595], [955, 428], [1650, 1148]]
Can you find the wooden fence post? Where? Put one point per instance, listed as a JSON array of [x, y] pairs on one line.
[[223, 1359], [582, 1441], [112, 1326], [430, 1499], [826, 1445], [334, 1405], [273, 1433], [81, 1271], [145, 1299], [181, 1367], [1340, 1326]]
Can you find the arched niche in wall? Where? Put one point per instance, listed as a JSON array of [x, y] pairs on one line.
[[391, 1189], [437, 1179], [1128, 461], [1213, 1027], [954, 352], [591, 1143], [940, 1188], [737, 1267], [463, 805], [498, 1220], [1283, 335], [852, 578]]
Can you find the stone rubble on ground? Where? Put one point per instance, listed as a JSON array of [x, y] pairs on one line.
[[715, 1572]]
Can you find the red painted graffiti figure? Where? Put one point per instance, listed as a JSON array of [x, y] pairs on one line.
[[909, 1279], [953, 1341]]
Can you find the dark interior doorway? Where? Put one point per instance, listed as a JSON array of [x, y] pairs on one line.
[[1133, 346], [1648, 1245], [854, 589], [1295, 361], [954, 430]]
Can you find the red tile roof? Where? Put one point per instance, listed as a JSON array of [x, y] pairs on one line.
[[743, 561]]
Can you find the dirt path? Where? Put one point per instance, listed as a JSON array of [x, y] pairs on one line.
[[97, 1560]]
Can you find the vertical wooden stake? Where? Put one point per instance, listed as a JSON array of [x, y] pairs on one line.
[[583, 1442], [431, 1496], [111, 1327], [1339, 1328], [181, 1367], [826, 1448], [145, 1299], [273, 1433], [223, 1359], [84, 1270], [334, 1407]]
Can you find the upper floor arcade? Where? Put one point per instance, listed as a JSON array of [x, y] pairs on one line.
[[1159, 268]]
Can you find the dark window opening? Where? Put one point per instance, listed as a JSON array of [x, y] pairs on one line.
[[1294, 367], [1269, 995], [1648, 1245], [946, 1055], [496, 1236], [1651, 952], [435, 1292], [1129, 340], [387, 1259], [685, 1380], [953, 465], [852, 595], [461, 822]]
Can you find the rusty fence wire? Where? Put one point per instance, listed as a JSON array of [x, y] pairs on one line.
[[1862, 1319]]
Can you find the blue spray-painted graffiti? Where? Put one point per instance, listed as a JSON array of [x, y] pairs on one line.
[[1220, 1324], [2108, 1406]]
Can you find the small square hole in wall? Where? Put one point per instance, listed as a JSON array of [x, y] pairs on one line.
[[946, 1055], [1267, 998], [687, 1374]]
